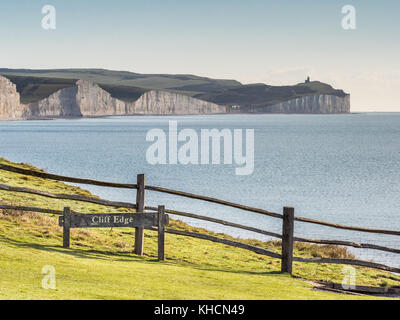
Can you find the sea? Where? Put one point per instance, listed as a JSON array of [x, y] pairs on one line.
[[343, 169]]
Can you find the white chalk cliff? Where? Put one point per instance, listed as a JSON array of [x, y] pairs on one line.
[[324, 104], [10, 108], [161, 102], [87, 99]]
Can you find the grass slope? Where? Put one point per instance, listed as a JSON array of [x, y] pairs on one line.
[[33, 89], [178, 83], [35, 84], [100, 263]]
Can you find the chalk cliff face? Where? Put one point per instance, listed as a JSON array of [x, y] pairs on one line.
[[87, 99], [314, 104], [10, 108], [161, 102], [60, 104], [94, 101]]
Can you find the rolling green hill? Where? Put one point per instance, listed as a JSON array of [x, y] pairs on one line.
[[33, 89], [258, 95], [34, 85], [187, 84], [123, 93]]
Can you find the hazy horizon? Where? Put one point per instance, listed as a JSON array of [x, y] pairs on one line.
[[252, 42]]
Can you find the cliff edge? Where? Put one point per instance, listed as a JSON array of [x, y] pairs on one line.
[[65, 98], [87, 99], [10, 107]]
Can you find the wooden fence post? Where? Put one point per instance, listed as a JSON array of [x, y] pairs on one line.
[[66, 227], [287, 239], [161, 232], [140, 197]]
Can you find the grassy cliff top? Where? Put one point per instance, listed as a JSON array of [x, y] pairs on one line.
[[33, 89], [34, 85], [263, 95], [182, 83], [100, 263]]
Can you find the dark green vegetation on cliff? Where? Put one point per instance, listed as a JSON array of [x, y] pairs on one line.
[[258, 95], [33, 89], [186, 84], [34, 85]]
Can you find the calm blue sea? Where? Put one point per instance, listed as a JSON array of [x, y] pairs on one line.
[[337, 168]]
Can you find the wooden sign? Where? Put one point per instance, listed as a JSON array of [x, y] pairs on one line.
[[116, 220]]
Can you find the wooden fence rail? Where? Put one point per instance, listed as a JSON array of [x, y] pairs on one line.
[[287, 217], [351, 228], [215, 200], [228, 224], [56, 177], [246, 246], [279, 236], [30, 209], [357, 245], [222, 222], [353, 262], [184, 194], [225, 241], [68, 197]]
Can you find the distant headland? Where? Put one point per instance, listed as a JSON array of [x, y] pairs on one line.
[[64, 93]]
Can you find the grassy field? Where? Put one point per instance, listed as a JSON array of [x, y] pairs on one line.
[[121, 80], [33, 89], [100, 263]]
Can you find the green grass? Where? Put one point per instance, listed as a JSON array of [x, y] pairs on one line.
[[35, 89], [119, 81], [100, 263], [100, 266], [34, 85]]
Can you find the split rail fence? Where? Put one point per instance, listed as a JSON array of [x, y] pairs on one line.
[[287, 216]]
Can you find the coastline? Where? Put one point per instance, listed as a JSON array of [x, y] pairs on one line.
[[187, 115]]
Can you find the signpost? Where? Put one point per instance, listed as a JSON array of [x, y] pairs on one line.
[[143, 220]]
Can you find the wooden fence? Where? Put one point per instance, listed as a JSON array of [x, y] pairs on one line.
[[287, 216]]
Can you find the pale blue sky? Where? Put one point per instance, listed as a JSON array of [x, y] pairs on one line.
[[275, 42]]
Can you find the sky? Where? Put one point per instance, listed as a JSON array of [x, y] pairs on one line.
[[273, 42]]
